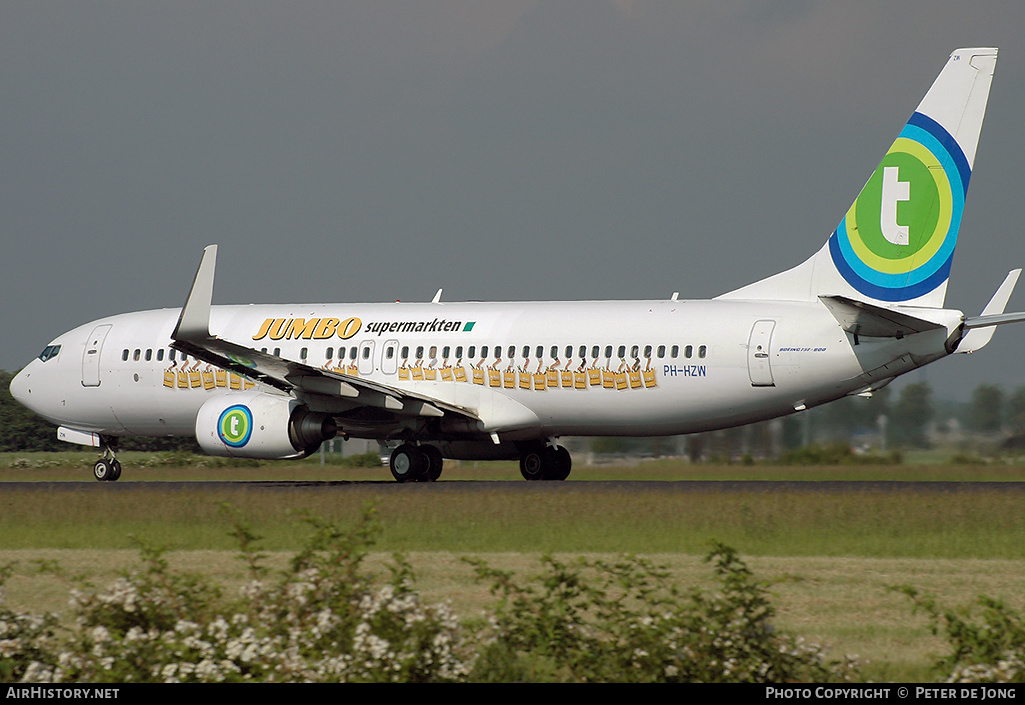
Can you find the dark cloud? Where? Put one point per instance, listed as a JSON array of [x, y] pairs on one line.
[[524, 149]]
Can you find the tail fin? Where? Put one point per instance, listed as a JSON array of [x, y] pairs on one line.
[[896, 242]]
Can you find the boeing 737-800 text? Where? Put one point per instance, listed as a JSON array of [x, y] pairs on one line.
[[507, 380]]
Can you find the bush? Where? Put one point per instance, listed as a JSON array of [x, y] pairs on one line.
[[326, 619], [985, 648], [837, 453], [28, 644], [627, 622]]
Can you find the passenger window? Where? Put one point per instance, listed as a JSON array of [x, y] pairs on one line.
[[459, 352], [124, 354], [688, 351], [608, 351], [661, 351], [420, 352], [702, 350], [389, 352], [484, 351], [446, 351], [149, 354], [303, 353], [329, 354], [352, 353], [366, 353], [647, 351], [160, 355], [512, 352], [674, 352], [472, 352], [405, 352], [594, 352], [136, 355], [540, 352]]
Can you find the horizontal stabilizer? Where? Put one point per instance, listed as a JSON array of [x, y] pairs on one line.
[[996, 320], [865, 319]]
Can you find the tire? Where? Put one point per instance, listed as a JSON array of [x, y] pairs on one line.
[[435, 462], [562, 464], [407, 463], [102, 470], [115, 470], [534, 464]]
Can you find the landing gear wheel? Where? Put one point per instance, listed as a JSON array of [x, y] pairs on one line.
[[562, 464], [107, 468], [103, 470], [407, 463], [545, 463], [434, 463], [534, 464]]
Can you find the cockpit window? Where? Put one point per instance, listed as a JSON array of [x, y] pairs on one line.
[[50, 351]]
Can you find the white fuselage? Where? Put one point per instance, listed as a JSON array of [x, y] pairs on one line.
[[605, 368]]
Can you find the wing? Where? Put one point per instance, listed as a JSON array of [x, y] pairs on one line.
[[329, 390]]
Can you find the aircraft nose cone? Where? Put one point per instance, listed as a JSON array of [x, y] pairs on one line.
[[21, 389]]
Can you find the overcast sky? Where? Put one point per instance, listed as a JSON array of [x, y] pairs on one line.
[[522, 149]]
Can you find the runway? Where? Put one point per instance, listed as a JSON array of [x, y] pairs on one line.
[[519, 486]]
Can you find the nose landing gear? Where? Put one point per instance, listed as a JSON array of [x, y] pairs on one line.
[[107, 468]]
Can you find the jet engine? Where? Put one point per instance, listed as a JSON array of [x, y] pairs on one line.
[[261, 425]]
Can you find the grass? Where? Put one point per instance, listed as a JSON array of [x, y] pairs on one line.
[[832, 555], [648, 518], [840, 602]]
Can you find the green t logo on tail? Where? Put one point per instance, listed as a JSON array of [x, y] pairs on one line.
[[896, 242]]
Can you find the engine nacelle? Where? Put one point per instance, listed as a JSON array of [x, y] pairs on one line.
[[261, 425]]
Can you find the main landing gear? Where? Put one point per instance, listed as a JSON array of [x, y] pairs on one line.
[[108, 468], [422, 463], [545, 462], [413, 463]]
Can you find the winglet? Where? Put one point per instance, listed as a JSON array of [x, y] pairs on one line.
[[981, 328], [194, 322]]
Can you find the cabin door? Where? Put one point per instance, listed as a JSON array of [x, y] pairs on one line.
[[759, 366], [91, 358]]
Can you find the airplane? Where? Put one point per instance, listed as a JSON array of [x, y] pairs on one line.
[[507, 380]]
